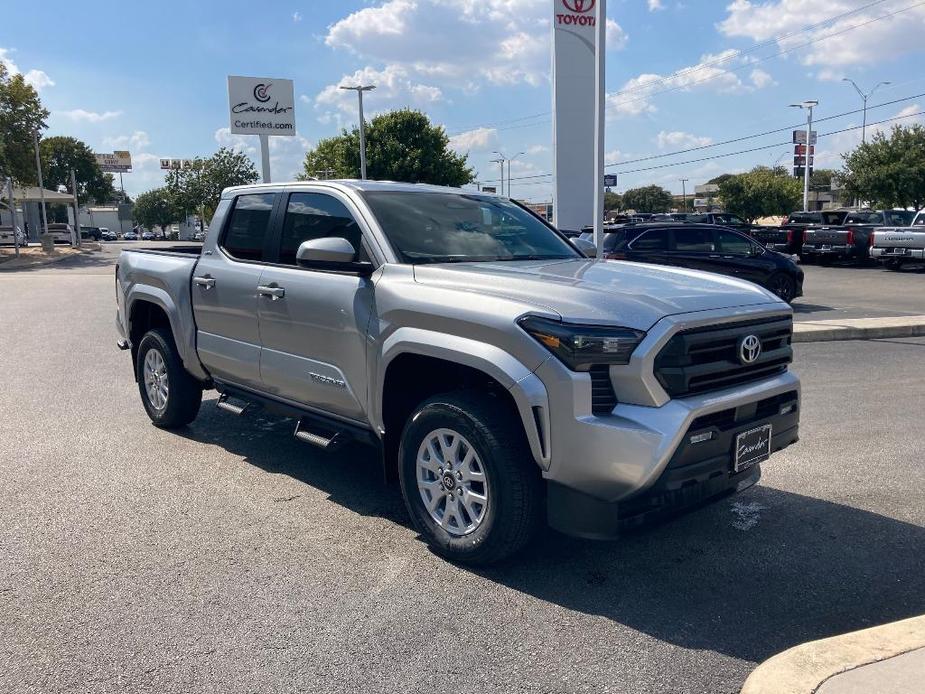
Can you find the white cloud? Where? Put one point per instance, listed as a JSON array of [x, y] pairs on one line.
[[80, 115], [761, 79], [678, 139], [830, 149], [533, 150], [394, 88], [655, 5], [711, 73], [878, 36], [296, 17], [135, 142], [38, 79], [478, 140], [459, 44]]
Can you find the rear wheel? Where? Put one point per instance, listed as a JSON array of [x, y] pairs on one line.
[[170, 395], [468, 478], [783, 286]]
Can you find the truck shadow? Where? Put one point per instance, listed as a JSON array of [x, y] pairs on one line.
[[748, 576]]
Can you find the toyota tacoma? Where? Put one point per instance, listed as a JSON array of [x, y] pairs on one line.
[[505, 379]]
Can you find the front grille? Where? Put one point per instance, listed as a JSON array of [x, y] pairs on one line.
[[603, 399], [706, 359]]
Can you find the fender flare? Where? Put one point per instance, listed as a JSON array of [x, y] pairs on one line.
[[525, 387], [183, 338]]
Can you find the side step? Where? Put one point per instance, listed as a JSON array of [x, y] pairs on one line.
[[323, 438], [224, 404]]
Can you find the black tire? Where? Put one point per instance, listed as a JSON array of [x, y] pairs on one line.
[[184, 393], [783, 286], [894, 265], [514, 511]]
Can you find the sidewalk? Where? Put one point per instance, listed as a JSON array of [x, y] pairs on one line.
[[858, 329], [888, 659], [34, 256]]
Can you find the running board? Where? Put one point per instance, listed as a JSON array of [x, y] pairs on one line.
[[224, 404], [325, 439]]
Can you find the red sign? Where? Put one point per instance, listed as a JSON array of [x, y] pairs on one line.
[[577, 13]]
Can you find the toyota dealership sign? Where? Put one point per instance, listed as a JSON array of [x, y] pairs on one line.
[[573, 112], [261, 106]]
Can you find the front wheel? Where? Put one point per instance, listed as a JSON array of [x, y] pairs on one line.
[[783, 286], [170, 395], [468, 478]]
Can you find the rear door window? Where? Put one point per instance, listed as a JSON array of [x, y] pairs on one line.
[[735, 244], [697, 240], [651, 241], [247, 229]]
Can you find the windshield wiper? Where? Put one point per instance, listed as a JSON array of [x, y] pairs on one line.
[[537, 257]]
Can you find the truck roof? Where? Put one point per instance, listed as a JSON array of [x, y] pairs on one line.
[[353, 184]]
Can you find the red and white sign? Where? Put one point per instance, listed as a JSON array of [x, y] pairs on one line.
[[576, 13]]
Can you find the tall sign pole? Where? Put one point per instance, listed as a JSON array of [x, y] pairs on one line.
[[77, 207], [574, 109], [600, 95], [9, 199], [38, 168]]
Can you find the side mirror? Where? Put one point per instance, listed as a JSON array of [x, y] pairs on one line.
[[331, 253], [587, 248]]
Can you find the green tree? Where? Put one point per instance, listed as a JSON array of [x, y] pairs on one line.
[[400, 146], [157, 207], [60, 155], [613, 202], [203, 182], [888, 171], [21, 115], [719, 180], [821, 179], [761, 192], [647, 199]]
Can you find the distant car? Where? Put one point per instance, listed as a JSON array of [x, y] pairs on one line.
[[9, 238], [87, 233], [61, 233], [706, 247], [130, 236], [199, 236], [109, 235], [148, 236]]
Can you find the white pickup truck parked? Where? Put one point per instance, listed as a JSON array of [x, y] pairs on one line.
[[895, 246]]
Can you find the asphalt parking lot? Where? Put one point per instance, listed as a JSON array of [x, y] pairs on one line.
[[229, 557]]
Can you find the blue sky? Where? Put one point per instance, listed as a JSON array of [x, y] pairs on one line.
[[151, 77]]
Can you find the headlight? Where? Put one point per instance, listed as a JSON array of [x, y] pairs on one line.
[[581, 346]]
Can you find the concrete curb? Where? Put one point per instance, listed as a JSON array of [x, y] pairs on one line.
[[803, 669], [859, 329]]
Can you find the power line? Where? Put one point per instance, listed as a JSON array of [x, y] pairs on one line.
[[731, 154]]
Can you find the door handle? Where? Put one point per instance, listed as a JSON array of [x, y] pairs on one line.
[[204, 282], [275, 293]]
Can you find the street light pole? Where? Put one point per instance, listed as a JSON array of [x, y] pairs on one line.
[[500, 160], [864, 98], [509, 172], [359, 89], [808, 106], [684, 191]]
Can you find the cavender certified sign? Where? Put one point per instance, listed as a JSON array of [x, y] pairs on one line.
[[261, 106], [117, 162]]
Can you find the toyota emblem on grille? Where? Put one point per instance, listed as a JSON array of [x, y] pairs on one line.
[[749, 349]]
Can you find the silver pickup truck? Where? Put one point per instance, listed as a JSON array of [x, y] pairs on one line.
[[504, 378], [896, 246]]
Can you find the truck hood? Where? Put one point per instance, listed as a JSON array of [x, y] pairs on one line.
[[632, 295]]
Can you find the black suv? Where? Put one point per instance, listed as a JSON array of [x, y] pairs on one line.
[[706, 247]]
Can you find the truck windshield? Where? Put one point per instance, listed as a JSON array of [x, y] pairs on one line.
[[454, 228]]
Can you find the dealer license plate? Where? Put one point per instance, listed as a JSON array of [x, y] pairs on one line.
[[752, 446]]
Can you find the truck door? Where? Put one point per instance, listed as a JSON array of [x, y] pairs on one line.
[[313, 323], [224, 291]]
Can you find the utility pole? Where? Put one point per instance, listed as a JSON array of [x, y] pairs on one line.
[[684, 191], [359, 89], [509, 172], [864, 98], [38, 168], [600, 34], [808, 106], [500, 160]]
